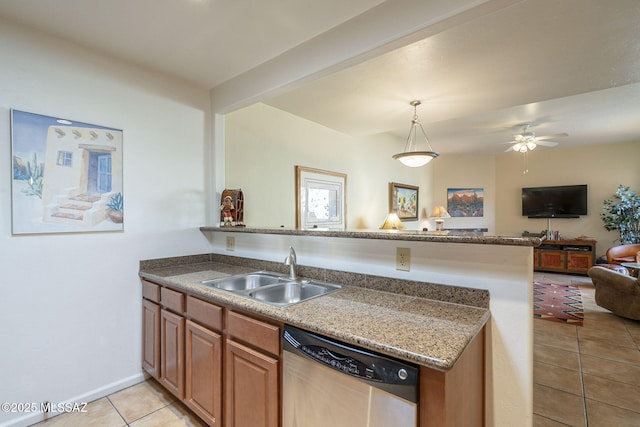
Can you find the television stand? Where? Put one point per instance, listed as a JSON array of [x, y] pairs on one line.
[[565, 256]]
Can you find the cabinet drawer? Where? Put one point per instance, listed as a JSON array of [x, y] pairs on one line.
[[150, 291], [171, 299], [205, 313], [259, 334]]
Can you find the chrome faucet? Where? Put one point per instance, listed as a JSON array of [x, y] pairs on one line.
[[292, 262]]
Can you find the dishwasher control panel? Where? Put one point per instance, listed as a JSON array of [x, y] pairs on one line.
[[386, 372], [343, 363]]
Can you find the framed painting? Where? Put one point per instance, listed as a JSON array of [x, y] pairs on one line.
[[403, 200], [320, 199], [465, 202], [66, 177]]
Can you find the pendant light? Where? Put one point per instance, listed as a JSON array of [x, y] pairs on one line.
[[411, 156]]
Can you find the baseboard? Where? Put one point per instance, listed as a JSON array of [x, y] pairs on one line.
[[36, 417]]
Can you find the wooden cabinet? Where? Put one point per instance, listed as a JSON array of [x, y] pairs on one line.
[[203, 342], [182, 348], [565, 256], [251, 387], [226, 366], [151, 328], [252, 371], [203, 390], [172, 352], [151, 338], [456, 397], [551, 260], [579, 262]]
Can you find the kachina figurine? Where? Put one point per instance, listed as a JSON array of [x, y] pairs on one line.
[[227, 209]]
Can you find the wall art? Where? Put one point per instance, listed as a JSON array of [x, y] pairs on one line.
[[67, 176], [465, 202], [403, 200]]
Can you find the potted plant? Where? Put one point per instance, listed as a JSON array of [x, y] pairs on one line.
[[623, 214], [114, 208]]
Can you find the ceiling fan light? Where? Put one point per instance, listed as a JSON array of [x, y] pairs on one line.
[[531, 145], [518, 146]]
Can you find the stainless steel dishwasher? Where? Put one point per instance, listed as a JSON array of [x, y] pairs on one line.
[[330, 383]]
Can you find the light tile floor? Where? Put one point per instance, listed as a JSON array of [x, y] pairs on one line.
[[586, 375], [583, 376], [146, 404]]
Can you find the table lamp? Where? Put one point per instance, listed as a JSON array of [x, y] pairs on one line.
[[439, 214]]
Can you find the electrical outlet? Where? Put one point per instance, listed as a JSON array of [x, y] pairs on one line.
[[403, 259], [231, 243]]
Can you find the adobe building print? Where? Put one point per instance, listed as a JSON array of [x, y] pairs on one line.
[[78, 185]]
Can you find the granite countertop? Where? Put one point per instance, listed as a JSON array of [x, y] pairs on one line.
[[424, 331], [448, 236]]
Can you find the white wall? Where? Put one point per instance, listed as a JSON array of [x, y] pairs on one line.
[[470, 171], [264, 144], [70, 303]]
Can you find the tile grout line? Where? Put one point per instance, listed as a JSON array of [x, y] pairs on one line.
[[116, 409], [584, 392]]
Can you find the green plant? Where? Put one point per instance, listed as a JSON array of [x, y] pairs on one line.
[[35, 171], [623, 214], [116, 203]]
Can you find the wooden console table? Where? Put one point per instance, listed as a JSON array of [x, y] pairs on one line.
[[565, 256]]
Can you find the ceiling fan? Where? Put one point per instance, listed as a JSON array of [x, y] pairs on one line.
[[527, 140]]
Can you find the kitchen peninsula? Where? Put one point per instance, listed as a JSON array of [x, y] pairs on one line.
[[502, 265], [445, 339]]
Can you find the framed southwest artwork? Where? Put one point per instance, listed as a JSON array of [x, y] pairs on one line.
[[66, 176], [465, 202], [321, 199], [403, 200]]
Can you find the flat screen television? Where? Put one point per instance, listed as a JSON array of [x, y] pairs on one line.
[[564, 201]]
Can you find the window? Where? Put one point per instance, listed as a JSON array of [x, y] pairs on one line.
[[65, 158]]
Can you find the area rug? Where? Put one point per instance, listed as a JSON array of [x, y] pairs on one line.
[[557, 303]]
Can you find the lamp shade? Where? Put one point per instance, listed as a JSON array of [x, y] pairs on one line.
[[440, 212], [392, 222]]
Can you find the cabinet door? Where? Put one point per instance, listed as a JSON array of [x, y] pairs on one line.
[[551, 260], [251, 387], [579, 262], [151, 338], [172, 352], [203, 391]]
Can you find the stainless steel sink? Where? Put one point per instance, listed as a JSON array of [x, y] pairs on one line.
[[243, 282], [289, 293], [272, 288]]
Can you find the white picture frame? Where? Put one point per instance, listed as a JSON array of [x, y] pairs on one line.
[[320, 199]]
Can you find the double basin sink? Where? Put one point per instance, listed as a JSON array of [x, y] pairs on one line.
[[272, 288]]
